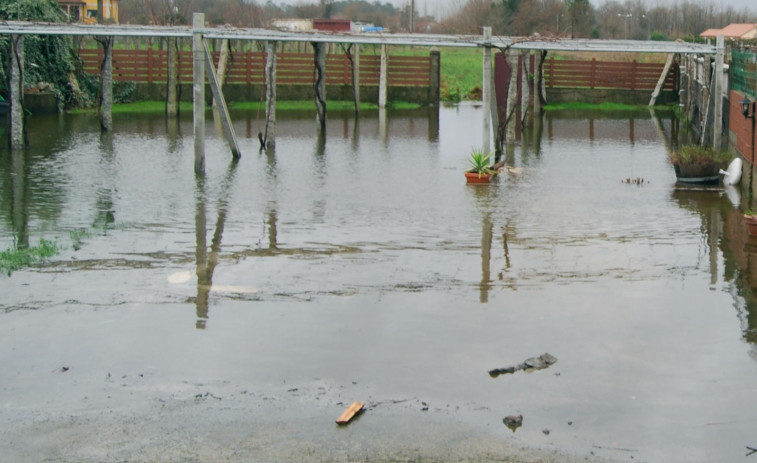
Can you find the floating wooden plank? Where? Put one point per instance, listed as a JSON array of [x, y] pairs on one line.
[[350, 413]]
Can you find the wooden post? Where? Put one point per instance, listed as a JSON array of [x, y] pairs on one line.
[[717, 114], [487, 90], [16, 85], [269, 137], [198, 99], [105, 106], [320, 83], [435, 77], [172, 93], [383, 77]]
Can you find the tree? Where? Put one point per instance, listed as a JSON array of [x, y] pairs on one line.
[[49, 59], [581, 15]]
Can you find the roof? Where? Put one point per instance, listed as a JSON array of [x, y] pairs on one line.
[[733, 31]]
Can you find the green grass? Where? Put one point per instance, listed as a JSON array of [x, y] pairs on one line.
[[16, 258], [152, 107], [606, 106]]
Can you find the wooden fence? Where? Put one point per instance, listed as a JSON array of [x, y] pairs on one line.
[[247, 67], [606, 75]]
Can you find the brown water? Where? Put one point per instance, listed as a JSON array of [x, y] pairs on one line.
[[360, 266]]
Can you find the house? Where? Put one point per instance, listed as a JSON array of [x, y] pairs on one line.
[[85, 11], [733, 32]]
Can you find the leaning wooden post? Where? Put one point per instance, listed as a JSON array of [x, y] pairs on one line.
[[320, 83], [17, 139], [105, 106], [718, 93], [198, 99], [269, 137], [487, 89], [172, 94], [383, 77], [223, 62]]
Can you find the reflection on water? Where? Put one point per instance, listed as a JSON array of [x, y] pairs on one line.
[[564, 217]]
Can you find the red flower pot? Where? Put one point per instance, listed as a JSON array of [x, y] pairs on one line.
[[475, 177]]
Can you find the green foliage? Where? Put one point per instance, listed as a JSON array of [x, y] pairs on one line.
[[658, 36], [479, 162], [16, 258], [697, 154], [47, 59]]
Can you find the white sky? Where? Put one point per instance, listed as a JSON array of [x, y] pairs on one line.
[[441, 8]]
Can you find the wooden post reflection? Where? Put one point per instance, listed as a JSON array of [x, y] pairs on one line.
[[486, 255], [206, 261]]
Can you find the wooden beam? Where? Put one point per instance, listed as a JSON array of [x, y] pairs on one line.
[[223, 110], [350, 413], [661, 80]]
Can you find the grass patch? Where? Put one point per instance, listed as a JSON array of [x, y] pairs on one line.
[[15, 258], [605, 106], [143, 107], [152, 107]]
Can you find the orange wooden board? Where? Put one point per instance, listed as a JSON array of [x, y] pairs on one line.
[[350, 413]]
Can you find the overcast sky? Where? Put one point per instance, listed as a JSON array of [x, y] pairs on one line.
[[441, 8]]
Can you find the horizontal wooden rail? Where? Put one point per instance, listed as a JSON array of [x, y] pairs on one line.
[[606, 75], [247, 67]]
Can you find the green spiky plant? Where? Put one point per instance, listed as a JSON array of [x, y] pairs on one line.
[[479, 162]]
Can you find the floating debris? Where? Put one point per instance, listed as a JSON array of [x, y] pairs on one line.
[[533, 363], [350, 413], [513, 422]]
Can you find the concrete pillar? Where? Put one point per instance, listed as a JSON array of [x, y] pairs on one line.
[[17, 139], [717, 99], [383, 77], [356, 77], [512, 97], [172, 93], [525, 93], [198, 98], [486, 86], [270, 95]]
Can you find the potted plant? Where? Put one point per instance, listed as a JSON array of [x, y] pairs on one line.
[[480, 170], [698, 164]]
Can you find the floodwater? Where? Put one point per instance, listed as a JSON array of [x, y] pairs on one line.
[[234, 317]]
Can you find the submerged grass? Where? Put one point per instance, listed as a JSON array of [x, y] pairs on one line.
[[16, 258]]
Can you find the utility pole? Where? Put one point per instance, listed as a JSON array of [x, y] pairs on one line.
[[412, 16]]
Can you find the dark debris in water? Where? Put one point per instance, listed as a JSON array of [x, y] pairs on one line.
[[534, 363]]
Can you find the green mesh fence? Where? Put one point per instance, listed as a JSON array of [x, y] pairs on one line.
[[744, 72]]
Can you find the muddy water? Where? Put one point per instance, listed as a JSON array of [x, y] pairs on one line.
[[254, 304]]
